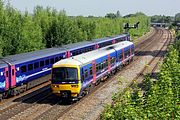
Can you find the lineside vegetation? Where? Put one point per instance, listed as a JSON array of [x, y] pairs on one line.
[[46, 28], [158, 100]]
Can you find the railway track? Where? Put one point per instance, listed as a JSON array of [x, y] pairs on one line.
[[64, 110], [153, 64], [109, 81], [26, 93], [48, 105]]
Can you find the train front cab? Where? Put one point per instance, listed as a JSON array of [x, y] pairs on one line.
[[66, 81]]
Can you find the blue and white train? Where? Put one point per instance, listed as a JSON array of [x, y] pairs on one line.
[[23, 71], [74, 77]]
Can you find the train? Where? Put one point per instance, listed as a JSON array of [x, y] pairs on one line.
[[24, 71], [74, 77]]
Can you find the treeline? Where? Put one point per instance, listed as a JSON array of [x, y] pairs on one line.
[[46, 28], [159, 100], [162, 19], [166, 19]]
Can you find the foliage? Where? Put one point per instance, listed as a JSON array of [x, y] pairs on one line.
[[135, 15], [161, 19], [177, 17], [47, 27], [159, 100], [113, 15]]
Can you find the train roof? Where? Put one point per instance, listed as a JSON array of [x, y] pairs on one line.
[[84, 58], [25, 57], [2, 64], [119, 46], [88, 43], [121, 35], [77, 45], [92, 55], [109, 38], [102, 39]]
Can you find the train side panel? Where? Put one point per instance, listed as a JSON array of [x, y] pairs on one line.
[[81, 50], [29, 71], [103, 66]]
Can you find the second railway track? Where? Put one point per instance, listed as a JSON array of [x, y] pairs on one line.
[[45, 106]]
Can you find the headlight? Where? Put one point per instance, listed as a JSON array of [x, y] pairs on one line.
[[55, 86]]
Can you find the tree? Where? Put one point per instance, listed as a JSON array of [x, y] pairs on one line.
[[167, 19], [177, 17], [110, 15], [118, 15], [30, 36]]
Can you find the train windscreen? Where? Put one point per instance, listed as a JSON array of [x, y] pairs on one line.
[[64, 74]]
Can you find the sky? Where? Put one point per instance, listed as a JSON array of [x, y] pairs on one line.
[[102, 7]]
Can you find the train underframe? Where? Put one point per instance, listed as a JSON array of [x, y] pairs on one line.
[[24, 87]]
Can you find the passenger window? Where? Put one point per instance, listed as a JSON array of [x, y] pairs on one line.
[[106, 64], [73, 53], [102, 65], [60, 57], [36, 65], [97, 68], [56, 59], [41, 63], [52, 60], [99, 65], [120, 56], [90, 70], [7, 74], [77, 52], [12, 72], [23, 69], [81, 51], [86, 73], [127, 53], [132, 50], [30, 67], [112, 60], [47, 62], [82, 77]]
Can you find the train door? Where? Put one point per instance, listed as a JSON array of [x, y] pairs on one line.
[[96, 46], [13, 76], [94, 71], [6, 74], [113, 41], [68, 54]]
